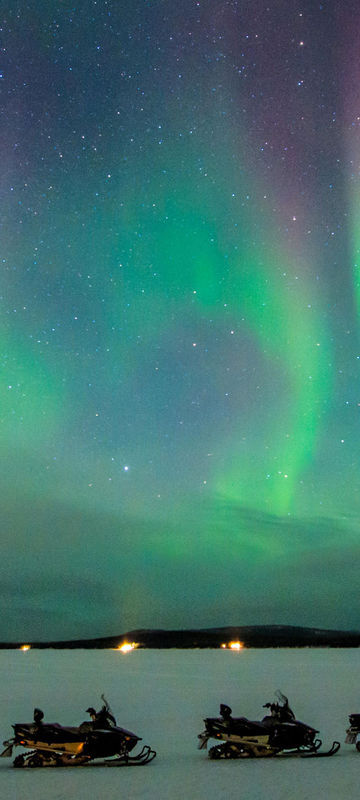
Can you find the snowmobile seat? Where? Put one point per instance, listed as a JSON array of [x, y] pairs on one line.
[[238, 725], [254, 726], [48, 732]]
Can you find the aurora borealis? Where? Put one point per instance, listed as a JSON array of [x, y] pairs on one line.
[[179, 328]]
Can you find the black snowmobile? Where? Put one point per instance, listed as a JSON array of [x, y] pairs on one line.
[[99, 742], [353, 732], [278, 733]]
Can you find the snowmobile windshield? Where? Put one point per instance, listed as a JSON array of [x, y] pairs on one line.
[[285, 709]]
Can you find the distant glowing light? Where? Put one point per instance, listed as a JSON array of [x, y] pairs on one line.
[[126, 468], [25, 647], [232, 646], [126, 647]]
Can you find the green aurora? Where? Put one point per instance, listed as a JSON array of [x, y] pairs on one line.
[[179, 329]]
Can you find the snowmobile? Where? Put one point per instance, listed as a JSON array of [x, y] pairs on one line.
[[100, 742], [277, 734], [353, 732]]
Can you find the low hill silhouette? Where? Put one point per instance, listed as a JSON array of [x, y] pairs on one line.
[[249, 636]]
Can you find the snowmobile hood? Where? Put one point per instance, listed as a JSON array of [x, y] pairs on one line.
[[115, 730]]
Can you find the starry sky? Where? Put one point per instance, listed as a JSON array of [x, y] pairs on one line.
[[179, 318]]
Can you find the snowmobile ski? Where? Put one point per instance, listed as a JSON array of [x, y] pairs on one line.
[[323, 753], [144, 757]]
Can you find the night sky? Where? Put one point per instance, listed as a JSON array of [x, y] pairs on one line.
[[180, 299]]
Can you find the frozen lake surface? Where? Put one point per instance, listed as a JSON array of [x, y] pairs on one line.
[[163, 696]]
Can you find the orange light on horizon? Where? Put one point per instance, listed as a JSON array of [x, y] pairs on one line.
[[25, 647], [232, 646], [126, 647]]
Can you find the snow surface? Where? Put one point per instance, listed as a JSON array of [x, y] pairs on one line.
[[164, 696]]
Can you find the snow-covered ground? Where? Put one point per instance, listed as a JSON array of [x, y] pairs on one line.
[[164, 696]]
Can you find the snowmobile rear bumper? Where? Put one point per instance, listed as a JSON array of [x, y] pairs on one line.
[[352, 736], [7, 753]]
